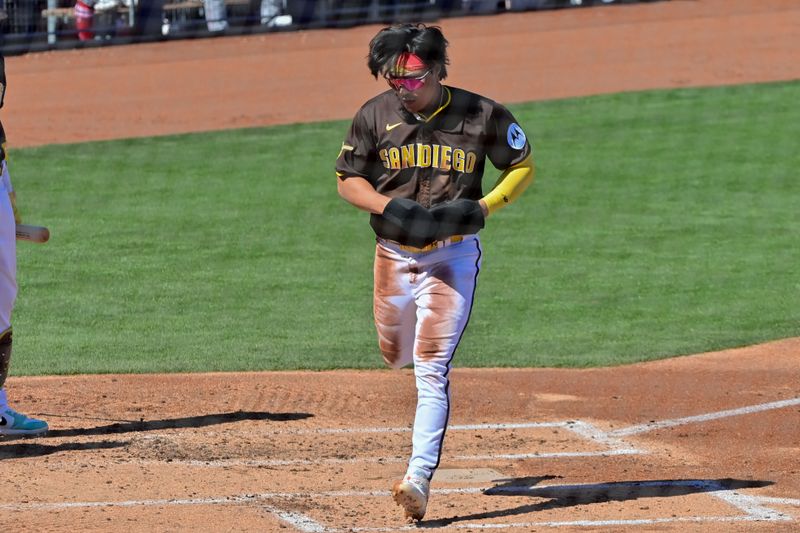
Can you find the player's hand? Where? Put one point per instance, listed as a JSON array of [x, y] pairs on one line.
[[408, 223], [484, 208], [456, 217]]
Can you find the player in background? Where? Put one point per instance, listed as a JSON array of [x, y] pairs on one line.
[[148, 16], [84, 19], [413, 158], [11, 422], [270, 14]]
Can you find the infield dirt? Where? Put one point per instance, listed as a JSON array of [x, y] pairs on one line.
[[702, 443]]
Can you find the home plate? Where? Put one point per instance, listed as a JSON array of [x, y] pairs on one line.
[[460, 475]]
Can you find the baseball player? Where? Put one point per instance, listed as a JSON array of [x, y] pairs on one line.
[[84, 19], [11, 422], [217, 15], [414, 158]]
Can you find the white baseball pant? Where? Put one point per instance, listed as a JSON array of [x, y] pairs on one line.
[[8, 251], [422, 303]]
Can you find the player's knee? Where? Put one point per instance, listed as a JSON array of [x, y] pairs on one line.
[[396, 357], [393, 360], [396, 354], [5, 355]]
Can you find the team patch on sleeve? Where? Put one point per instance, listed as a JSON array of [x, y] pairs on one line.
[[515, 136]]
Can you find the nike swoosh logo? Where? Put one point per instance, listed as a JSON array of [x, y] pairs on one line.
[[393, 126]]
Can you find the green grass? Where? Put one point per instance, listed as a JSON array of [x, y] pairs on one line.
[[661, 223]]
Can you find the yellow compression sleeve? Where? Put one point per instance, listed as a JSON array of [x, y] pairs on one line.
[[512, 182]]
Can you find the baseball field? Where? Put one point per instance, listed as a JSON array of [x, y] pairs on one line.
[[198, 330]]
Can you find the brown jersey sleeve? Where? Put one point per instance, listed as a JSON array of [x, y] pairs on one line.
[[507, 143], [358, 155]]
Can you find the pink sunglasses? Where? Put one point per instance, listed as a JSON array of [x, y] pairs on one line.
[[409, 84]]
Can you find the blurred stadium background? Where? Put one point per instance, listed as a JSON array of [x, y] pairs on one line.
[[38, 25]]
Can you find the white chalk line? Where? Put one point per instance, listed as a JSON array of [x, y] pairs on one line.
[[577, 426], [368, 430], [298, 521], [224, 463], [609, 438], [780, 501], [454, 427], [714, 488], [612, 447], [752, 506], [592, 433], [237, 499], [652, 426], [576, 523]]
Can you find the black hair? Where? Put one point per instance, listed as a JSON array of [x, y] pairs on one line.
[[427, 42]]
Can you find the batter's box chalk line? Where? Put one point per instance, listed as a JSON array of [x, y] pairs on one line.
[[652, 426], [610, 446], [753, 508], [611, 440]]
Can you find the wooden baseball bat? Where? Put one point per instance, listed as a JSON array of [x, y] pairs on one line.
[[26, 232]]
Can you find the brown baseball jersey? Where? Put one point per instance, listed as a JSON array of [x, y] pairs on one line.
[[430, 162]]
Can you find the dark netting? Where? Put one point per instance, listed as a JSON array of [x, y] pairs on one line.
[[35, 25]]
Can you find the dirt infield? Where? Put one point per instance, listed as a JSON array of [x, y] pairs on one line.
[[702, 443]]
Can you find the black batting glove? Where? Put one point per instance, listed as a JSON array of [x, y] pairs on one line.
[[407, 222], [457, 217]]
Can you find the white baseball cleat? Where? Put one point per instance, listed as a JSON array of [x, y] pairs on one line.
[[411, 493]]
